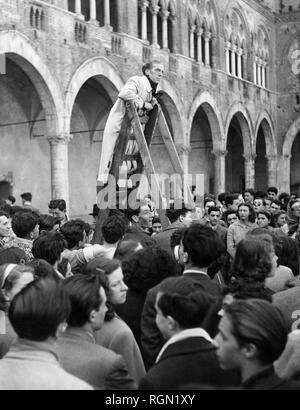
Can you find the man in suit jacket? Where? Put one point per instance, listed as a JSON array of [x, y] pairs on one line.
[[36, 314], [180, 217], [77, 349], [202, 246], [141, 91]]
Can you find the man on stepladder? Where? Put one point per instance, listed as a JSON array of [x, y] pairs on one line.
[[140, 90]]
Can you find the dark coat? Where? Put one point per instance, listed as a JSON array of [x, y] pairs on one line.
[[268, 380], [98, 366], [209, 286], [189, 362], [135, 233], [131, 312], [151, 339]]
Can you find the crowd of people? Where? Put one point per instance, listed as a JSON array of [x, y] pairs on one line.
[[211, 301]]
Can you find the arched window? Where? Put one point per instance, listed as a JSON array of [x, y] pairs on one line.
[[37, 18], [71, 6], [32, 21]]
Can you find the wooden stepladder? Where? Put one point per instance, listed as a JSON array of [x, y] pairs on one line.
[[132, 155]]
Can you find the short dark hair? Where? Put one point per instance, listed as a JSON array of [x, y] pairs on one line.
[[207, 200], [260, 323], [49, 247], [273, 189], [260, 195], [203, 245], [107, 266], [36, 312], [126, 249], [267, 214], [229, 212], [27, 196], [214, 209], [147, 268], [189, 311], [58, 204], [72, 231], [113, 229], [23, 223], [43, 269], [12, 255], [250, 191], [150, 65], [47, 222], [222, 196], [156, 220], [3, 213], [277, 202], [230, 199], [83, 291], [12, 199], [177, 237], [176, 210]]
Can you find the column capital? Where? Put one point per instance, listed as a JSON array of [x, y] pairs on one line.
[[250, 157], [271, 157], [240, 51], [207, 36], [144, 4], [192, 29], [199, 32], [183, 149], [173, 20], [60, 139], [165, 14], [154, 10], [218, 153], [234, 48], [228, 45]]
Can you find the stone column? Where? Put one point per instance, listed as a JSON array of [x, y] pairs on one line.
[[272, 169], [78, 6], [174, 34], [249, 170], [165, 15], [59, 166], [184, 152], [284, 176], [239, 62], [107, 13], [220, 171], [192, 41], [263, 80], [78, 10], [213, 52], [93, 11], [154, 11], [233, 56], [227, 56], [259, 72], [254, 71], [199, 45], [144, 6], [207, 50]]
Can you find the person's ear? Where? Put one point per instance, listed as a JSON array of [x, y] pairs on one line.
[[135, 219], [249, 351], [185, 257], [5, 295], [92, 316], [172, 324]]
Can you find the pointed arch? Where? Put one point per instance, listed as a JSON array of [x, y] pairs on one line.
[[20, 49], [290, 138], [264, 120], [96, 66], [207, 102], [241, 113]]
